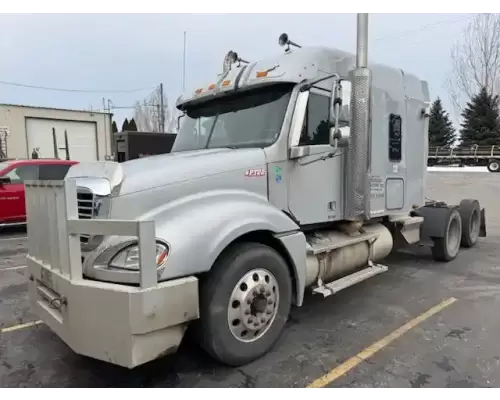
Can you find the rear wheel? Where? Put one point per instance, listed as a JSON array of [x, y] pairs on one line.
[[470, 213], [447, 247], [244, 304], [493, 166]]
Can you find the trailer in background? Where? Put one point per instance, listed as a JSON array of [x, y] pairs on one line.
[[477, 156], [130, 145]]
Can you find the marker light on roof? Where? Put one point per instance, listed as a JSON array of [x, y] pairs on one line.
[[261, 74]]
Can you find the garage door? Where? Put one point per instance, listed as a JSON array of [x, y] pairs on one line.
[[82, 138]]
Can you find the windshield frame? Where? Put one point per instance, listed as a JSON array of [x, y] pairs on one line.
[[224, 108]]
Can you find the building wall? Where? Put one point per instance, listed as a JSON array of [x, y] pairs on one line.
[[14, 117]]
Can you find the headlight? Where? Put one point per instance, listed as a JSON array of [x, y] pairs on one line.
[[128, 258]]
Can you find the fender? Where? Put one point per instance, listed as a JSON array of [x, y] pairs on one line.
[[199, 227]]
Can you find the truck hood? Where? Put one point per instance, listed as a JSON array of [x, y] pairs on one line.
[[167, 169]]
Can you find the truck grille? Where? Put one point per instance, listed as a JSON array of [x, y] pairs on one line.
[[86, 208]]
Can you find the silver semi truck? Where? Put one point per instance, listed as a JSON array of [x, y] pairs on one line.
[[300, 172]]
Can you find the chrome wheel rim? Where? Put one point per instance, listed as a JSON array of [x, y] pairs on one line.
[[253, 305], [494, 166]]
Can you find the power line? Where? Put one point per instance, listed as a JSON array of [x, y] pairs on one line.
[[74, 90], [423, 28], [397, 36]]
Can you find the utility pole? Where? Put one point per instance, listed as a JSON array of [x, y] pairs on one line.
[[162, 110], [158, 117]]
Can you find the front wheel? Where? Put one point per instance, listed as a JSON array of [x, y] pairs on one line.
[[244, 304]]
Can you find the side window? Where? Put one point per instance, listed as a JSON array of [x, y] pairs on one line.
[[23, 173], [316, 127], [53, 172]]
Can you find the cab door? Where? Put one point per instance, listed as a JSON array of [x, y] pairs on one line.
[[315, 180], [12, 199]]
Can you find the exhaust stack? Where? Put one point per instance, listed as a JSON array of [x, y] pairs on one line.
[[357, 195]]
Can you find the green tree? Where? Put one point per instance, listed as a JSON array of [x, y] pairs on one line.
[[481, 122], [132, 125], [114, 128], [125, 125], [441, 130]]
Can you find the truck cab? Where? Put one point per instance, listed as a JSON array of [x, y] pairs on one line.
[[299, 172]]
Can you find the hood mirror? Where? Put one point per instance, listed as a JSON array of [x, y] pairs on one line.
[[179, 120]]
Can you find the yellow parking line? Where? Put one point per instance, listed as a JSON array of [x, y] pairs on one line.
[[351, 363], [21, 326], [13, 268]]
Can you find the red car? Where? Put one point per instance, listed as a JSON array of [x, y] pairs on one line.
[[12, 175]]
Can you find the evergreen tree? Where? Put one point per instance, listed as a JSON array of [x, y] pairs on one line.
[[114, 128], [132, 126], [125, 125], [481, 122], [441, 130]]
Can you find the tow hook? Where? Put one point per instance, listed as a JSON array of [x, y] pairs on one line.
[[58, 303]]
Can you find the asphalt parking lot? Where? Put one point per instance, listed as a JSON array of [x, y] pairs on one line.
[[421, 324]]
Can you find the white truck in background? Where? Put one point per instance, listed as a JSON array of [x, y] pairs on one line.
[[299, 172]]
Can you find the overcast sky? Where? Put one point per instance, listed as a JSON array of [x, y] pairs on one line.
[[126, 51]]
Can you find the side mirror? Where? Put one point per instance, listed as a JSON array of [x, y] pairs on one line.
[[335, 101], [339, 111], [4, 180], [340, 137]]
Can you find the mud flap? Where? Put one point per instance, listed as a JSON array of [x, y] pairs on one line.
[[435, 217]]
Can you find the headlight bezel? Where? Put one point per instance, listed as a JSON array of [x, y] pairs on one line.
[[162, 253], [102, 261]]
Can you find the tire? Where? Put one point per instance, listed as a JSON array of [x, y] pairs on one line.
[[470, 213], [493, 166], [446, 248], [232, 328]]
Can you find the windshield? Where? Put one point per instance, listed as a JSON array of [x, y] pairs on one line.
[[249, 119]]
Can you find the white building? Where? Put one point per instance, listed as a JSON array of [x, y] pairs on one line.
[[89, 133]]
